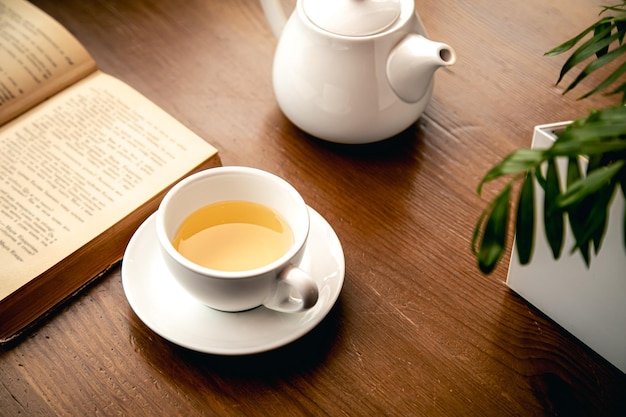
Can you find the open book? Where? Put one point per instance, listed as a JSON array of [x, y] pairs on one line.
[[84, 159]]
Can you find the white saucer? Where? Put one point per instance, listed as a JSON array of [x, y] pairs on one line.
[[162, 304]]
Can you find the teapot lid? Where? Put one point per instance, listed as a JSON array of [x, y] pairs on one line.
[[352, 17]]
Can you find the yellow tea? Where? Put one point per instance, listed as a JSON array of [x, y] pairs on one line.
[[233, 236]]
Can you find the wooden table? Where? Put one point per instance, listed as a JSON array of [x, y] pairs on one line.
[[417, 330]]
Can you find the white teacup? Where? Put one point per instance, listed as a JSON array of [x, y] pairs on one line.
[[279, 285]]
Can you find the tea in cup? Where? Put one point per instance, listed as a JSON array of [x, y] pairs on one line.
[[242, 235], [233, 237]]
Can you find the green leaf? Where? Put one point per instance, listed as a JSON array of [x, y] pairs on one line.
[[599, 137], [590, 148], [578, 212], [587, 49], [593, 162], [599, 215], [553, 215], [620, 8], [594, 227], [516, 162], [574, 173], [593, 182], [540, 179], [600, 28], [609, 114], [480, 225], [493, 241], [620, 89], [591, 137], [525, 223], [597, 64], [621, 28], [566, 46], [592, 129], [597, 127], [607, 31], [608, 81]]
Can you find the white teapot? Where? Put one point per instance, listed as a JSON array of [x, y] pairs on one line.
[[353, 71]]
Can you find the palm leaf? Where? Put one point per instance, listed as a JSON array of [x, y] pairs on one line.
[[606, 31], [594, 226], [578, 212], [608, 81], [620, 8], [514, 163], [541, 179], [566, 46], [587, 49], [620, 89], [589, 185], [493, 242], [600, 28], [599, 215], [553, 215], [621, 28], [595, 65], [525, 223], [601, 138], [588, 148]]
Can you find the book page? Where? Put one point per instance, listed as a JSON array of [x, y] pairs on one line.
[[38, 57], [77, 164]]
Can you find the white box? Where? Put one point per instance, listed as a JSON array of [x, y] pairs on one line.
[[589, 303]]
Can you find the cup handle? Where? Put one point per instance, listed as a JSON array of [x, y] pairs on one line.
[[295, 291]]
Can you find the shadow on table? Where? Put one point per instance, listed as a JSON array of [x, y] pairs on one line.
[[563, 374], [301, 356], [396, 149]]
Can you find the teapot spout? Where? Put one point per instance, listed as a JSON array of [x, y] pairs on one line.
[[412, 64]]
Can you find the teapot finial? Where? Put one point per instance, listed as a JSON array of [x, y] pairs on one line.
[[352, 17]]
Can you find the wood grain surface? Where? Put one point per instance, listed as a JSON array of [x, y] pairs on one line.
[[417, 330]]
